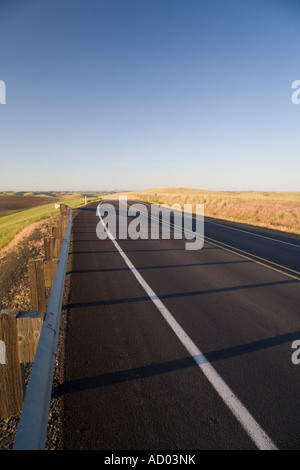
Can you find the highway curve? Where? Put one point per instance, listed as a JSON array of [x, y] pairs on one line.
[[130, 383]]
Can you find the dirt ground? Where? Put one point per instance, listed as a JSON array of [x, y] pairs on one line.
[[10, 203], [15, 294]]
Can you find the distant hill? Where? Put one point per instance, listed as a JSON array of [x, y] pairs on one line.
[[53, 194]]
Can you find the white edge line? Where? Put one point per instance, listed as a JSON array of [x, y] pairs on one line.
[[251, 233], [232, 249], [234, 228], [252, 428], [237, 251]]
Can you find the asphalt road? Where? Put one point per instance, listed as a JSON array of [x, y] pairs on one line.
[[130, 381]]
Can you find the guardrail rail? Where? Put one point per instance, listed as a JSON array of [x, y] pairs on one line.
[[32, 428]]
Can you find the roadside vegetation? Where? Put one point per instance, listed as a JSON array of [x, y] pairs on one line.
[[274, 210], [13, 221]]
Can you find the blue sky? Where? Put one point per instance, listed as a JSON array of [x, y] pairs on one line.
[[134, 94]]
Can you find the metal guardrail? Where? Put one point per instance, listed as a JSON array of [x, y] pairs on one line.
[[33, 424]]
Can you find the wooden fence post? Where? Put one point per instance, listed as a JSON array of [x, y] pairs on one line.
[[19, 336], [29, 325], [50, 266], [59, 230], [41, 275], [37, 284], [64, 210], [52, 247], [12, 386]]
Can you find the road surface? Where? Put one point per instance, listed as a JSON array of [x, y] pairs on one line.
[[169, 349]]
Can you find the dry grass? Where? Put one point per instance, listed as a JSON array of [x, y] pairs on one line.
[[275, 210]]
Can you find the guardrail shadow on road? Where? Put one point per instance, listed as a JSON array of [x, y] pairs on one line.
[[90, 209], [128, 251], [166, 367], [177, 295], [142, 268]]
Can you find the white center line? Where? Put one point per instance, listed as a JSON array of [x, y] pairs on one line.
[[252, 428]]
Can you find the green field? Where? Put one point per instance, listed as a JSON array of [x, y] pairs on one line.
[[12, 222]]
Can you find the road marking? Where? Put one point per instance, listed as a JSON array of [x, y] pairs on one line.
[[240, 230], [244, 254], [251, 256], [252, 428], [251, 233]]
